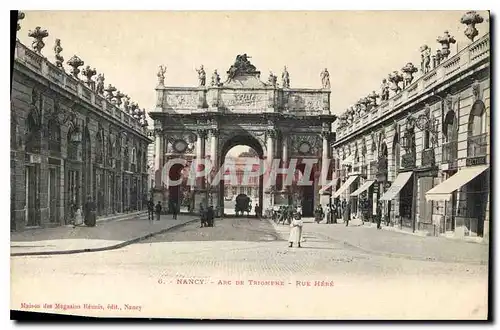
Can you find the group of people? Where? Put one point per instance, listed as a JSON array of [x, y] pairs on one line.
[[89, 216], [286, 213], [365, 211], [207, 216], [154, 211]]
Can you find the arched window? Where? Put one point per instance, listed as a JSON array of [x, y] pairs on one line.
[[109, 152], [33, 137], [396, 153], [134, 156], [477, 119], [450, 127], [139, 162], [54, 130], [13, 132], [427, 137], [126, 159], [99, 148], [477, 140]]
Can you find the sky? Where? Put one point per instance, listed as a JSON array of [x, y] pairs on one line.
[[359, 48]]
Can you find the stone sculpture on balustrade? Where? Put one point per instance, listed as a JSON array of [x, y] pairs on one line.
[[425, 62], [395, 78], [89, 73], [384, 90], [202, 76], [38, 34], [409, 69], [445, 42], [215, 79], [272, 80], [57, 50], [100, 84], [161, 75], [241, 66], [285, 76], [325, 79], [471, 18]]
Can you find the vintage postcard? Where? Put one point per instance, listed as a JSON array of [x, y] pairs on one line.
[[319, 165]]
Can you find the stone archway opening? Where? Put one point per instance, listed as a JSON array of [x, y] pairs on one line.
[[303, 194], [241, 155]]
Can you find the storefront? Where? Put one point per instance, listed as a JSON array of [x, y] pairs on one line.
[[469, 186]]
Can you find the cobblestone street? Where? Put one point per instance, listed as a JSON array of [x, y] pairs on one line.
[[327, 278]]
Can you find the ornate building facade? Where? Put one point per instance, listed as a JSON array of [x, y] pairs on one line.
[[206, 121], [71, 138], [424, 149]]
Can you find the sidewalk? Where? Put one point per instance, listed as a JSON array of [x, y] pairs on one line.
[[106, 235], [394, 243]]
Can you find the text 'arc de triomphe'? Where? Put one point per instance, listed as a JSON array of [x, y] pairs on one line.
[[206, 121]]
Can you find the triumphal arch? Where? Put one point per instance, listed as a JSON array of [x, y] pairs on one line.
[[279, 122]]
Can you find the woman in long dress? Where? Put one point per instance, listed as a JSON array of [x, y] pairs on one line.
[[295, 232]]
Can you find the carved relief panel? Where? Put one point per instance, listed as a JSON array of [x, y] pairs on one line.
[[305, 145], [243, 101], [303, 103], [181, 142], [180, 100]]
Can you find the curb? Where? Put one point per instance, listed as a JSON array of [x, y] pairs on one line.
[[105, 248]]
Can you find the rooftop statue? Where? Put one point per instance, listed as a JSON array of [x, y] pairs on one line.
[[272, 80], [57, 50], [325, 79], [241, 65], [215, 79], [202, 76], [161, 74], [285, 76]]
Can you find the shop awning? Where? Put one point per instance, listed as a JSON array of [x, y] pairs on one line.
[[327, 186], [346, 185], [348, 161], [396, 186], [444, 190], [364, 187]]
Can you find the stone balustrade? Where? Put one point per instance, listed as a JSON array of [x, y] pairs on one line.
[[186, 100], [39, 64], [461, 62]]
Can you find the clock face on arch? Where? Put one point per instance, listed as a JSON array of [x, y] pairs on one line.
[[304, 148], [180, 145]]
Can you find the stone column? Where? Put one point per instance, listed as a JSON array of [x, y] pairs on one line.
[[158, 164], [215, 188], [284, 190], [269, 189], [325, 162], [200, 189]]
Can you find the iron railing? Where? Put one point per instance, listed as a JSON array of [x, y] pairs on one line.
[[476, 145]]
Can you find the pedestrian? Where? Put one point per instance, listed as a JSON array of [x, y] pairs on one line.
[[328, 214], [158, 210], [379, 214], [210, 216], [174, 210], [333, 213], [295, 232], [318, 214], [347, 213], [78, 217], [257, 211], [202, 216], [89, 212], [151, 209]]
